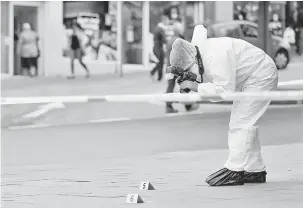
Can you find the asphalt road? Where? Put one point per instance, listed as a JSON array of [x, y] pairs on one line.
[[96, 165], [89, 142]]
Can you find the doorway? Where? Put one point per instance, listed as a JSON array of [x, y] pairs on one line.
[[22, 14]]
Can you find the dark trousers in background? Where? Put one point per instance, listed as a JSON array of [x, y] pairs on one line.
[[159, 52], [298, 41], [170, 89], [28, 64]]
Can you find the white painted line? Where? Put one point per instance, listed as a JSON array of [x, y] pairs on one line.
[[223, 109], [29, 126], [43, 109], [182, 114], [107, 120]]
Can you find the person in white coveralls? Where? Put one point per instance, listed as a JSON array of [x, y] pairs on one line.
[[233, 65]]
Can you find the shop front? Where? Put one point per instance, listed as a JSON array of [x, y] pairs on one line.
[[118, 36], [13, 16], [249, 10], [113, 35]]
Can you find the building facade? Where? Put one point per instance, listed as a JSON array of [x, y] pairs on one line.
[[118, 36]]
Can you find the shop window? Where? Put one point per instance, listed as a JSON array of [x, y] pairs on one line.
[[99, 31], [246, 10]]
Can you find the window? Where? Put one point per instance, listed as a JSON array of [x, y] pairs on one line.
[[98, 34], [249, 31]]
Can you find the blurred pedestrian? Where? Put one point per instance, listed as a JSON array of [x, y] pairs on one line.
[[275, 25], [77, 50], [289, 34], [178, 33], [158, 49], [298, 16], [28, 49]]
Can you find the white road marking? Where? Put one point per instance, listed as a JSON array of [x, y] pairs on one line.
[[29, 126], [107, 120], [43, 109], [224, 108]]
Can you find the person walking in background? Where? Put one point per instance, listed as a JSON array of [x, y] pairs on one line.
[[275, 25], [77, 50], [158, 49], [178, 33], [289, 34], [28, 49]]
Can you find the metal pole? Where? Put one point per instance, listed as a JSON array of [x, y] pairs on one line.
[[263, 26], [119, 66], [183, 16], [145, 32]]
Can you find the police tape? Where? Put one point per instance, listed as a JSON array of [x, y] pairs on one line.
[[170, 97]]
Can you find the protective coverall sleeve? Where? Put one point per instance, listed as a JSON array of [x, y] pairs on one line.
[[220, 69]]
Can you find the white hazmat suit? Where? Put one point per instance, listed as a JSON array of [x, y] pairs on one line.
[[233, 65]]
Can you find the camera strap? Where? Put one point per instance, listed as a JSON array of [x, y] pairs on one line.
[[200, 63]]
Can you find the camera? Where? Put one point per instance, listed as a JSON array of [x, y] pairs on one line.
[[182, 75]]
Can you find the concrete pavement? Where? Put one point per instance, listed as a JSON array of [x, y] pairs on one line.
[[96, 165], [180, 185]]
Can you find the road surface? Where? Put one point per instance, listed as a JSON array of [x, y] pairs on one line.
[[96, 165], [114, 147]]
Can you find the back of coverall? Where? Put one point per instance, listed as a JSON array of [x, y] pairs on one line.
[[236, 65]]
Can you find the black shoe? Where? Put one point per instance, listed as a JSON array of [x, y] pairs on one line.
[[257, 177], [170, 110], [191, 107], [226, 177], [188, 107]]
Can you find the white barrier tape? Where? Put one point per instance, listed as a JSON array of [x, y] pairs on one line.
[[171, 97], [39, 100], [273, 95]]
